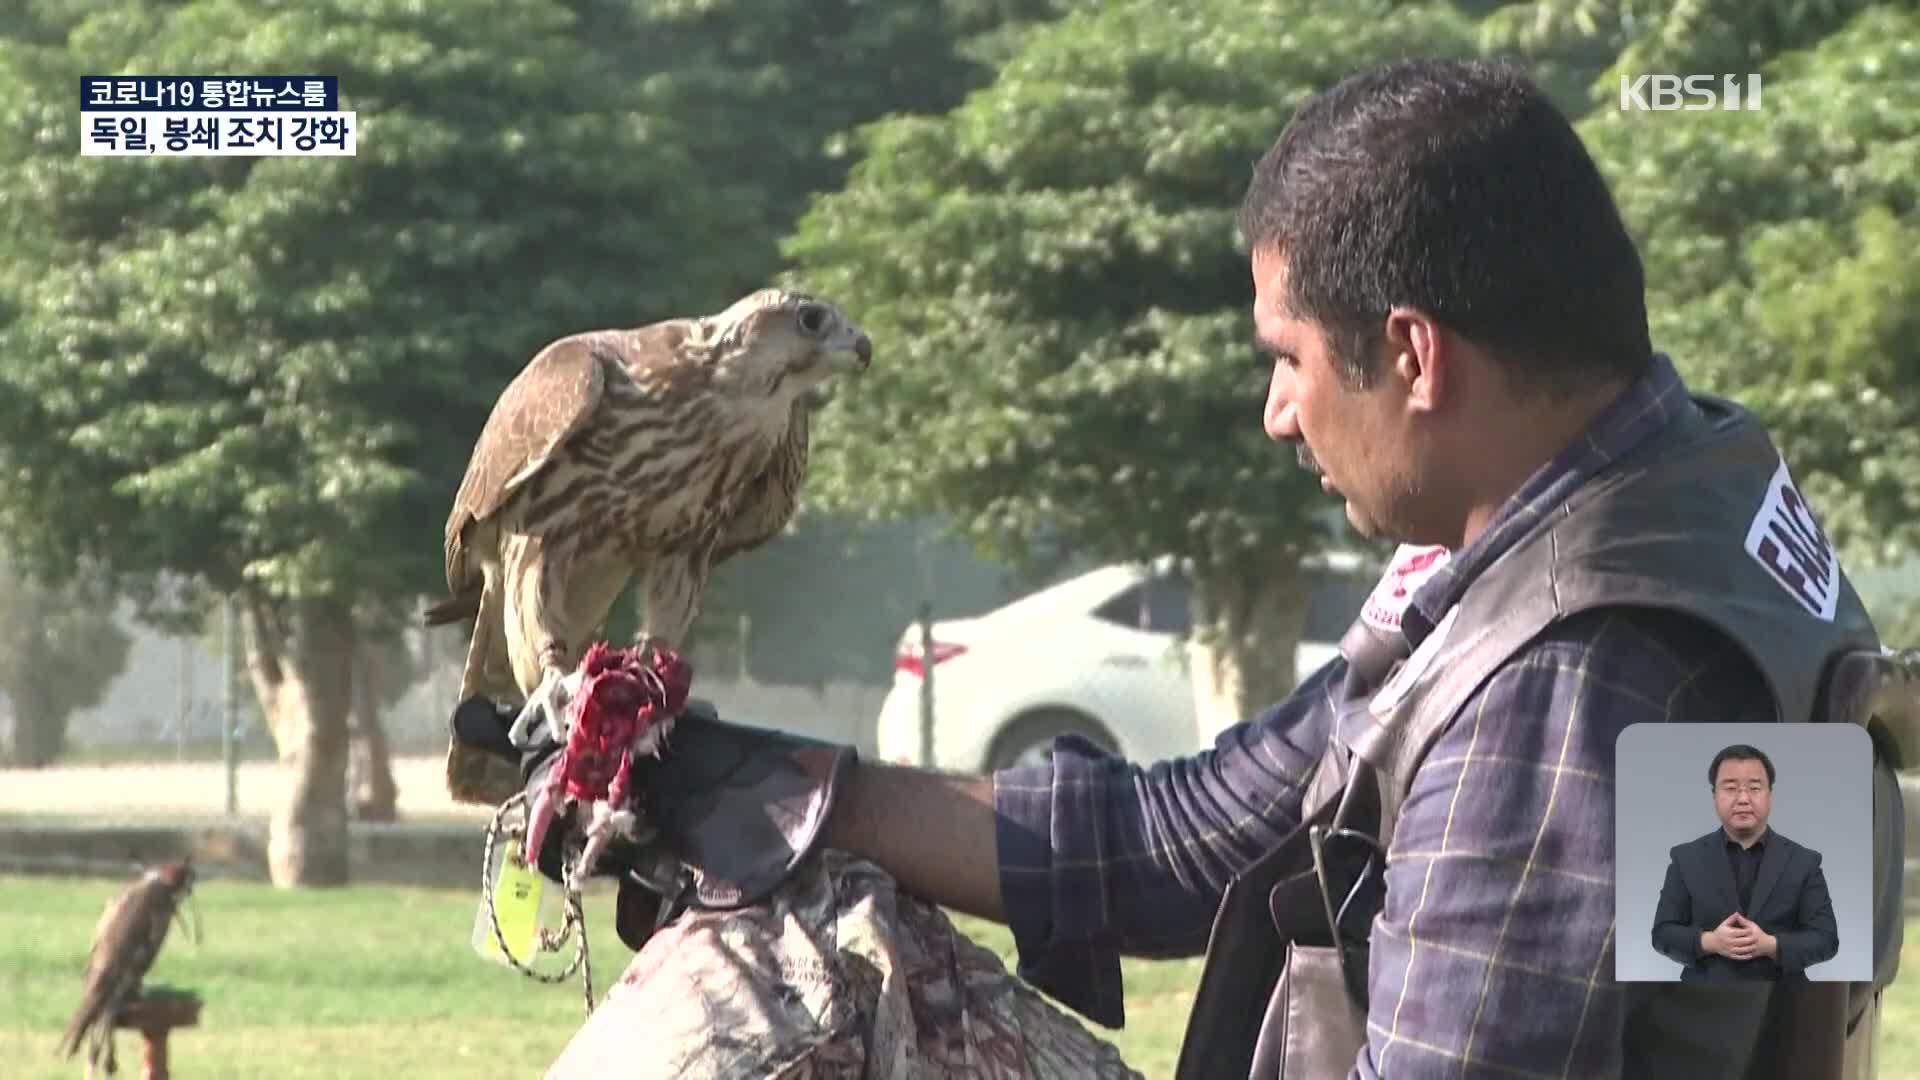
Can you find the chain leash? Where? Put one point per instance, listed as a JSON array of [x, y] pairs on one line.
[[573, 917]]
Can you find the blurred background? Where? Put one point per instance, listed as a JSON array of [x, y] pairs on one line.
[[237, 394]]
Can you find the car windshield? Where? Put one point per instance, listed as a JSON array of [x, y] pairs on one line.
[[1080, 592], [1160, 604]]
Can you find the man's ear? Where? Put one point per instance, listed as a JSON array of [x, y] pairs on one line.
[[1422, 355]]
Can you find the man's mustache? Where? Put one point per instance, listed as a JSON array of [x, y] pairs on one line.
[[1308, 461]]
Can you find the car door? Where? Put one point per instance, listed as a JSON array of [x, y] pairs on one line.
[[1140, 677]]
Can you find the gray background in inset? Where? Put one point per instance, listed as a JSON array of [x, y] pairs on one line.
[[1822, 799]]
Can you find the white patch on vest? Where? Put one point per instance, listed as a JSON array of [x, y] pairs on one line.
[[1409, 569], [1786, 540], [1409, 672]]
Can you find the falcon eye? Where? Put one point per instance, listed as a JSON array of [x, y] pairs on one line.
[[813, 318]]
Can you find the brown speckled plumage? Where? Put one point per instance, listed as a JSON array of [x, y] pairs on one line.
[[658, 451], [126, 942]]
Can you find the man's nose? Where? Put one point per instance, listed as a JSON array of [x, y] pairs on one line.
[[1281, 420]]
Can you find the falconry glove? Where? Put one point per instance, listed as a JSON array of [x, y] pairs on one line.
[[727, 811]]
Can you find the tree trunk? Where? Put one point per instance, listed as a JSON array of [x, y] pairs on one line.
[[300, 657], [39, 724], [1247, 621], [369, 761], [39, 731]]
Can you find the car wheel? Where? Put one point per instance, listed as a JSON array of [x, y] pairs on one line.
[[1028, 740]]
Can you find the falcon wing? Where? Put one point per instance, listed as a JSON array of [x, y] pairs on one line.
[[120, 922], [539, 411]]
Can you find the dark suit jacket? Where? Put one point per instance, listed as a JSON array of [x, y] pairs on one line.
[[1790, 902]]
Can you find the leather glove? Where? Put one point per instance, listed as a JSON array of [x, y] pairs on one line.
[[727, 811]]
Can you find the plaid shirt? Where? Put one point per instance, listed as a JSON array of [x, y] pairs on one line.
[[1493, 955]]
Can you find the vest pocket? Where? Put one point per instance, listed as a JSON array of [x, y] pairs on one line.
[[1313, 1028]]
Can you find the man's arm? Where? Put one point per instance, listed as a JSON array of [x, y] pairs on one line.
[[1090, 857], [1817, 938], [933, 832], [1674, 935], [1494, 955]]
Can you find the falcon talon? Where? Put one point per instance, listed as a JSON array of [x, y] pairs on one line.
[[548, 702], [620, 704]]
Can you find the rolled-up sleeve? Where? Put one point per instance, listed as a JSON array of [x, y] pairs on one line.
[[1100, 858]]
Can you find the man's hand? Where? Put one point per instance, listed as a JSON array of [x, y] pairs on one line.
[[730, 810], [1719, 940], [1739, 938], [1751, 940]]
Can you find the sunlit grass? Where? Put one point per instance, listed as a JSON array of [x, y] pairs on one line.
[[368, 981], [378, 983]]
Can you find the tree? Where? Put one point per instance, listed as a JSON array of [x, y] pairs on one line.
[[61, 647], [384, 668], [1781, 248], [773, 85], [1578, 49], [1053, 273], [1898, 622], [266, 374]]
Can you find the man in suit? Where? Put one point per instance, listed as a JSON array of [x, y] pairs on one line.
[[1744, 903]]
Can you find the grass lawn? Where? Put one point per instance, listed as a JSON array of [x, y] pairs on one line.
[[381, 983]]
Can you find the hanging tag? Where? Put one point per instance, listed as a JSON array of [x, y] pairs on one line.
[[517, 893]]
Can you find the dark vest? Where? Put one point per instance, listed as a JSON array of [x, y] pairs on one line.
[[1676, 525]]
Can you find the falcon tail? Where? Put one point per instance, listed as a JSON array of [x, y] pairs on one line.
[[78, 1028], [458, 608]]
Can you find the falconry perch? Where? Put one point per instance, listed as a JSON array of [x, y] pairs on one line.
[[126, 941], [658, 451]]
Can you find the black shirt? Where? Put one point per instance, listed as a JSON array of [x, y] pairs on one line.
[[1746, 868]]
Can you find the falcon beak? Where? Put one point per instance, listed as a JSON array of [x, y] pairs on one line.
[[188, 907], [852, 351]]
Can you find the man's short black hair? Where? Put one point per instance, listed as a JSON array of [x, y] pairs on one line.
[[1739, 752], [1457, 188]]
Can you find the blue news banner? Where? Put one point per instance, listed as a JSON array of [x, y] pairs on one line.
[[215, 116]]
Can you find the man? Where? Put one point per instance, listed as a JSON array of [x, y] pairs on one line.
[[1744, 902], [1454, 317]]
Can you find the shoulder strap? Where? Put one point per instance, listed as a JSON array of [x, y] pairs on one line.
[[1419, 701]]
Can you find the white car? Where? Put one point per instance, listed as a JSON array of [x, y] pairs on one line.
[[1101, 654]]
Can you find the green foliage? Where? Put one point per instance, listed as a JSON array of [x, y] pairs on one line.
[[1780, 248], [1579, 49], [270, 371], [1052, 276], [768, 85], [1899, 624]]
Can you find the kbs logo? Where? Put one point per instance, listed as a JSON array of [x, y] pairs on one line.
[[1690, 93]]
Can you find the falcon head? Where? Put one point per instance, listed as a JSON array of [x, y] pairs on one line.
[[177, 876], [785, 342]]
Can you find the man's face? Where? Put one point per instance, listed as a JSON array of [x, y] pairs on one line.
[[1741, 796], [1356, 440]]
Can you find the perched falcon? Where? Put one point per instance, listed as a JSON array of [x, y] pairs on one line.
[[126, 941], [657, 451]]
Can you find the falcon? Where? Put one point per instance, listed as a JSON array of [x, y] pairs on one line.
[[126, 941], [655, 452]]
